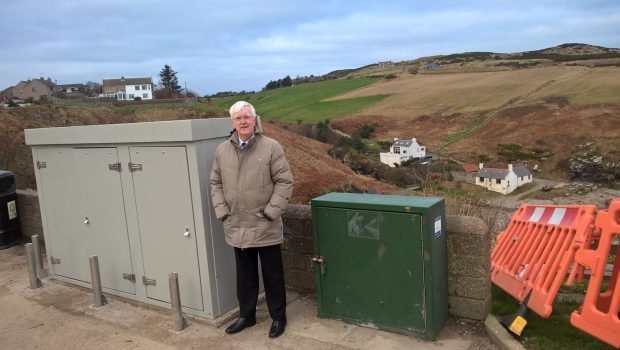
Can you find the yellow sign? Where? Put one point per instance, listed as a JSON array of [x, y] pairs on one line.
[[518, 325]]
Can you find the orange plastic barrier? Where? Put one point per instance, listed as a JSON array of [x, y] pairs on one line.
[[598, 316], [536, 250]]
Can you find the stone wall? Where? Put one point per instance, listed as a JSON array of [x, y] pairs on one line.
[[469, 266], [298, 249], [468, 242], [29, 214]]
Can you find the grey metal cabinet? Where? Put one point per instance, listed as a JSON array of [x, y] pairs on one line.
[[138, 197]]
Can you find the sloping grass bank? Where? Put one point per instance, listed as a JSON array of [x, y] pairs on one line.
[[304, 102]]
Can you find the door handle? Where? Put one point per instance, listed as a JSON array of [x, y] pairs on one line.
[[318, 260], [186, 233], [86, 221]]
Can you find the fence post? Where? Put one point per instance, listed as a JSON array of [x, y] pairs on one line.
[[99, 298], [41, 272], [175, 299], [35, 282]]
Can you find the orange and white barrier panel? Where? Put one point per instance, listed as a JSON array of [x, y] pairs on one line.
[[598, 316], [533, 254]]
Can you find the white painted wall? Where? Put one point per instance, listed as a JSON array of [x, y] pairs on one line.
[[507, 185], [402, 154], [144, 91]]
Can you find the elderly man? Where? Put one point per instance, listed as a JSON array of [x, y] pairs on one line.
[[251, 183]]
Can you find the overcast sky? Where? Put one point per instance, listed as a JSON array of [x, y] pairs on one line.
[[219, 45]]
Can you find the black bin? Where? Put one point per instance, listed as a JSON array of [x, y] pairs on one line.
[[9, 222]]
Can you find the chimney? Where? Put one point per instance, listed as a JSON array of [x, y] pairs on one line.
[[509, 168], [480, 165], [395, 139]]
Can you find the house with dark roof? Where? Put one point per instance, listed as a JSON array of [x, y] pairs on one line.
[[128, 89], [72, 89], [503, 180], [35, 89], [402, 150], [6, 94]]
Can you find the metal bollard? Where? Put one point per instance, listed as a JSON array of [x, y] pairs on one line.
[[99, 298], [41, 272], [35, 282], [175, 299]]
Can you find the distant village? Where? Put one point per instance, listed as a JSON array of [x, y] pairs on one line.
[[123, 89], [502, 180]]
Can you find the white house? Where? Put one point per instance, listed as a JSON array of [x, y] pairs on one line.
[[128, 89], [503, 180], [402, 150]]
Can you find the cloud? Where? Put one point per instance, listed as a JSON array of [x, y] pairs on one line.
[[241, 45]]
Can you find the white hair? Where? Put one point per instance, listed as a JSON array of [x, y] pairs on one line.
[[239, 105]]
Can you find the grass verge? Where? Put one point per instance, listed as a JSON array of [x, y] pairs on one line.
[[555, 332]]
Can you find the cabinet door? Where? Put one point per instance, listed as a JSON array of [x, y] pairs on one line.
[[63, 231], [374, 268], [102, 215], [166, 221], [85, 215]]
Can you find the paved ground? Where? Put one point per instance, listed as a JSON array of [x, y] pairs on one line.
[[58, 316]]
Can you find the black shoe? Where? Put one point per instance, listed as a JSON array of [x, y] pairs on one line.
[[277, 328], [240, 324]]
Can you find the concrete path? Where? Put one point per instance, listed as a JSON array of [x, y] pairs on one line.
[[58, 316]]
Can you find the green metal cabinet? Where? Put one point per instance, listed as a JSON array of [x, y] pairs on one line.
[[380, 261]]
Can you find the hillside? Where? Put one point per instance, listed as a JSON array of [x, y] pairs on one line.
[[315, 173], [468, 116]]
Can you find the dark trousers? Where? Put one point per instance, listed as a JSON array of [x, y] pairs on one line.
[[273, 280]]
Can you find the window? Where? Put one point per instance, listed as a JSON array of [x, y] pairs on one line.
[[396, 149], [131, 96], [404, 151], [498, 181], [144, 87], [145, 95], [137, 87], [482, 179]]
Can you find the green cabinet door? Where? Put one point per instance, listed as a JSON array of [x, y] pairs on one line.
[[373, 271]]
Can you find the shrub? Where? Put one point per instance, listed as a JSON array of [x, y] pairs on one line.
[[390, 76], [365, 131], [322, 131]]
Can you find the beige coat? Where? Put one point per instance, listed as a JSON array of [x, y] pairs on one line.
[[250, 188]]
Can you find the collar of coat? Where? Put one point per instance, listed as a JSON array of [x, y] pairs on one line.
[[234, 138]]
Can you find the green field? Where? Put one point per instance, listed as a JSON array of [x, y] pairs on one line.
[[304, 102]]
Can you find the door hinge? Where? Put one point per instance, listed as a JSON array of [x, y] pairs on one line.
[[41, 165], [54, 260], [130, 277], [148, 281], [115, 167], [134, 167]]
